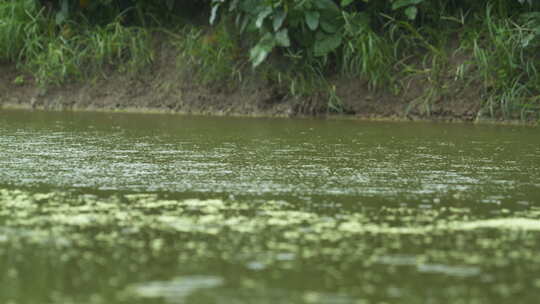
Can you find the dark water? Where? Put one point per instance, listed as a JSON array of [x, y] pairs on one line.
[[118, 208]]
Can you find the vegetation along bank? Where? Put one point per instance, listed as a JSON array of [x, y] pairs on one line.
[[444, 59]]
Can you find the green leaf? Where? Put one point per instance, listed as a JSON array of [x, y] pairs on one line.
[[63, 14], [325, 43], [60, 18], [282, 38], [233, 6], [312, 19], [257, 55], [411, 12], [345, 3], [250, 6], [328, 27], [262, 15], [260, 51], [245, 23], [213, 13], [326, 5], [279, 17], [402, 3]]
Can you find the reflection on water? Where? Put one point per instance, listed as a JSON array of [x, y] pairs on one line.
[[175, 290], [103, 208]]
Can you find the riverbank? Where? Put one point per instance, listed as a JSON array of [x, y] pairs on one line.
[[409, 60], [168, 89]]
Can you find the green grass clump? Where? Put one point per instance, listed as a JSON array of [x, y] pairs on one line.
[[215, 55], [55, 53], [365, 53], [506, 55], [116, 45], [18, 27], [81, 53]]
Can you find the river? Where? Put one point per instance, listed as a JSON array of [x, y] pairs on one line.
[[131, 208]]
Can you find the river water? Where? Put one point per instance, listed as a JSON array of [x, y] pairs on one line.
[[128, 208]]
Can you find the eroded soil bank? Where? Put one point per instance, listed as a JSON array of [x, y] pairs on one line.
[[163, 87]]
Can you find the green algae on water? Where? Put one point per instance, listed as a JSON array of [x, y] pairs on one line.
[[157, 247]]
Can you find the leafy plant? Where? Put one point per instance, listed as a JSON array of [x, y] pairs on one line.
[[19, 80], [409, 7], [310, 25]]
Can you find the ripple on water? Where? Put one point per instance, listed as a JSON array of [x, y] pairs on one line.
[[325, 163], [450, 270], [176, 290], [256, 239]]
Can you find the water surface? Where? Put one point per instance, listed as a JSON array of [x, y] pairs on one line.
[[126, 208]]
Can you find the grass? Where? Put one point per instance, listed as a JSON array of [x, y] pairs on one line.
[[505, 58], [214, 54], [117, 45], [18, 27], [54, 54], [366, 53], [502, 52], [82, 53]]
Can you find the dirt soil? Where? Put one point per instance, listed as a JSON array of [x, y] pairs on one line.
[[164, 88]]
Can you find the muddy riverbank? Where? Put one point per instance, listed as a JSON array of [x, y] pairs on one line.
[[165, 88]]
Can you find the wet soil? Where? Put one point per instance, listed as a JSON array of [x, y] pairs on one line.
[[164, 87]]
